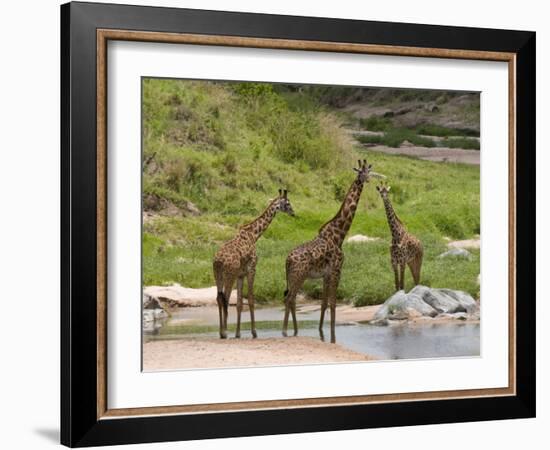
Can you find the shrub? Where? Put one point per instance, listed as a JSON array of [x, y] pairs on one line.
[[395, 137], [465, 143], [376, 123], [438, 130]]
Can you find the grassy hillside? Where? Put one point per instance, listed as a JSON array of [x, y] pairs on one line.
[[427, 112], [215, 154]]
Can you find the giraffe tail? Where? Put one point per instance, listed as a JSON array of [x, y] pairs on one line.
[[218, 275]]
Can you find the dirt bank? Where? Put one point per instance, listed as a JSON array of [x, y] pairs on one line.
[[438, 154], [213, 352]]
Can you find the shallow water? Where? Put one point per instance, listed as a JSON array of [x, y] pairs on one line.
[[403, 341]]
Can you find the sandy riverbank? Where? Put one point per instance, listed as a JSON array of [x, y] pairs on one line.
[[210, 352]]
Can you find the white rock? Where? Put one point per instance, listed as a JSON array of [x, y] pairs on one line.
[[466, 302], [360, 238], [457, 253], [150, 302], [437, 299], [399, 305], [423, 301], [176, 295], [466, 243], [150, 315]]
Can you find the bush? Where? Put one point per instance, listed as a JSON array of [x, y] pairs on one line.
[[376, 123], [465, 143], [370, 139], [395, 137], [438, 130]]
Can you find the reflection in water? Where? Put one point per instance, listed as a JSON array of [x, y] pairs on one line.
[[383, 342], [152, 328]]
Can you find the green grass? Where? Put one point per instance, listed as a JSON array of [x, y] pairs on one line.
[[376, 123], [228, 148], [180, 249], [465, 143], [438, 130], [395, 137]]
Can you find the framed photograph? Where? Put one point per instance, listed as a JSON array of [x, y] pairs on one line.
[[276, 224]]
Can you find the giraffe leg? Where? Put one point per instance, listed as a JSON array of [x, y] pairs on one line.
[[290, 298], [415, 265], [227, 295], [402, 276], [250, 280], [218, 276], [219, 300], [294, 282], [396, 274], [333, 323], [417, 268], [324, 305], [293, 311], [285, 320], [240, 282], [332, 287]]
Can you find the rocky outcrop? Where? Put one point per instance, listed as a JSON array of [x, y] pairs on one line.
[[361, 238], [161, 205], [150, 302], [466, 243], [423, 301], [153, 313], [178, 296], [456, 253]]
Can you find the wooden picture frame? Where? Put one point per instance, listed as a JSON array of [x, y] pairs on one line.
[[85, 416]]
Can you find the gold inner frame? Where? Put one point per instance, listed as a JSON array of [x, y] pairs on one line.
[[104, 35]]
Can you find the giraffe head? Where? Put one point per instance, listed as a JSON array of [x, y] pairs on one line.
[[282, 203], [363, 171], [383, 189]]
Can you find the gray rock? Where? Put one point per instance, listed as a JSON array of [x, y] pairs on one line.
[[456, 316], [465, 301], [438, 300], [400, 306], [192, 209], [148, 315], [476, 315], [457, 253], [150, 302], [431, 107], [380, 322], [152, 315], [423, 301]]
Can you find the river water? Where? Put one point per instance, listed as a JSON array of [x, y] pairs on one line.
[[403, 341]]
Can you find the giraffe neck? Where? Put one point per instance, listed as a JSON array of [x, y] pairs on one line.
[[257, 227], [395, 224], [337, 228]]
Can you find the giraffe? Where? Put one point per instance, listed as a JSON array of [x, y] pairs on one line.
[[236, 259], [323, 257], [405, 248]]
